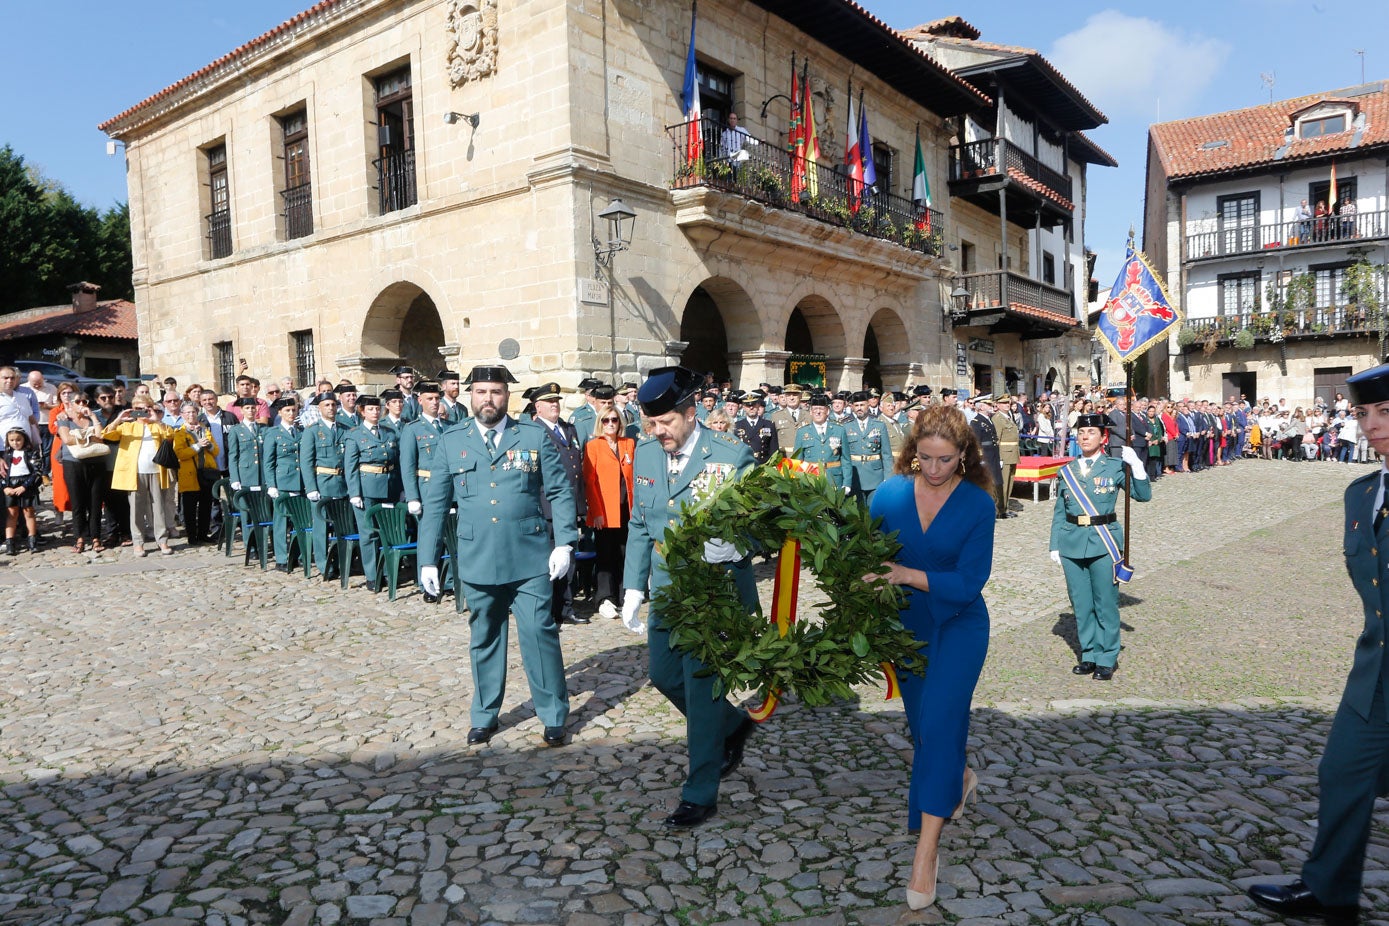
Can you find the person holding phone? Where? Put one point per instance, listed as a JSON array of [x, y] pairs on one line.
[[138, 431]]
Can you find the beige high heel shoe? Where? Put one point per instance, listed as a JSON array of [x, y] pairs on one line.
[[919, 900], [971, 790]]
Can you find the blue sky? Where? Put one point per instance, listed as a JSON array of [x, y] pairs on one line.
[[85, 61]]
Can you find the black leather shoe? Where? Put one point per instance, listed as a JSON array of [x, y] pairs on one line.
[[371, 586], [279, 567], [555, 736], [688, 815], [572, 619], [1297, 899], [430, 599], [1084, 668], [733, 747], [479, 735], [1103, 673]]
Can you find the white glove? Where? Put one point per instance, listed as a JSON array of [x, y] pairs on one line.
[[559, 562], [1130, 456], [414, 508], [631, 608], [273, 492], [720, 551], [356, 501], [848, 489], [236, 487], [1055, 557], [429, 580], [314, 496]]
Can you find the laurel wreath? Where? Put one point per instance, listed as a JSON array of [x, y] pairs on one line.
[[821, 659]]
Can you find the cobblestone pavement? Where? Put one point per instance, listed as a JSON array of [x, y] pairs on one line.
[[184, 740]]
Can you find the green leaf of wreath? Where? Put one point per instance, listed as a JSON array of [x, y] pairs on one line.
[[823, 655]]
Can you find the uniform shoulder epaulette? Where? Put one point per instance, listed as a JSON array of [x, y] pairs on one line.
[[728, 439], [1368, 477]]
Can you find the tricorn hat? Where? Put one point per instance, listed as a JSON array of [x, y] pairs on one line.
[[667, 387], [1369, 387], [489, 374]]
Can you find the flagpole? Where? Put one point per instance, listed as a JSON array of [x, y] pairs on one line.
[[1128, 442]]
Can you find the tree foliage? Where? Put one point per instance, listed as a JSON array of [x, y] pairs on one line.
[[52, 240]]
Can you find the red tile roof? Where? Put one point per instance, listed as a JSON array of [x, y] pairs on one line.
[[1254, 136], [1046, 315], [114, 318], [1040, 188]]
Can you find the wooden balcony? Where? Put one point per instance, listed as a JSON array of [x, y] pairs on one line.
[[1029, 188], [1008, 302]]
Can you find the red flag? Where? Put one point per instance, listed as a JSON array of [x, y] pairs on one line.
[[796, 137]]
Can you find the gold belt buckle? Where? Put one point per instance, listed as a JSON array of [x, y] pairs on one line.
[[1083, 520]]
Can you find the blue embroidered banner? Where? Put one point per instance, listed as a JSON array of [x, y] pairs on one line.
[[1137, 314]]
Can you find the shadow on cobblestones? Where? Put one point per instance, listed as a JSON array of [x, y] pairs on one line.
[[1120, 814]]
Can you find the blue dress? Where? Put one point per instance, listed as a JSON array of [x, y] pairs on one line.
[[956, 553]]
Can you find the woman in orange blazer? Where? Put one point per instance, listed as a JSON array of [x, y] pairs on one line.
[[608, 490]]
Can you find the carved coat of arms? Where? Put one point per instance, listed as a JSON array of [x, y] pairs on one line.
[[472, 28]]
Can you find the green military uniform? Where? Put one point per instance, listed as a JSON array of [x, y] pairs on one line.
[[452, 412], [896, 435], [321, 458], [870, 446], [244, 454], [503, 557], [827, 450], [1085, 560], [584, 419], [348, 420], [423, 469], [1009, 453], [371, 463], [683, 679], [280, 469]]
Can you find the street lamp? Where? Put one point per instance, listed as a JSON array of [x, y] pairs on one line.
[[959, 311], [621, 220]]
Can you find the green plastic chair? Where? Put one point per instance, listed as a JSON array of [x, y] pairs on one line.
[[389, 522], [257, 520], [299, 511], [448, 562], [342, 534], [231, 518]]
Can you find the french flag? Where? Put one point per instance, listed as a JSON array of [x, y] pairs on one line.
[[689, 96]]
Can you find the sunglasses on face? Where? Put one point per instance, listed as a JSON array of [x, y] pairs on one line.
[[612, 420]]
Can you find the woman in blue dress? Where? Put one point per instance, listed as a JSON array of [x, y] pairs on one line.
[[939, 502]]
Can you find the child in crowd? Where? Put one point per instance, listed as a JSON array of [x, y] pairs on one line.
[[20, 476]]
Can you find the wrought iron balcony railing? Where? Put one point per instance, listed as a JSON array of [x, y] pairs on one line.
[[1289, 323], [219, 234], [298, 211], [981, 158], [740, 163], [1317, 231], [395, 179]]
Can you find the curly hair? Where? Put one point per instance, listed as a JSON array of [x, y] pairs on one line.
[[949, 424]]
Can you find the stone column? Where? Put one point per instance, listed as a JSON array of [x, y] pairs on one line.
[[750, 367], [900, 376], [845, 373]]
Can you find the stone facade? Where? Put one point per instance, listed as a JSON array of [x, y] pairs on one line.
[[498, 248]]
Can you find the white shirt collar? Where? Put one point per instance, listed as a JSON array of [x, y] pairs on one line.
[[498, 427], [687, 449]]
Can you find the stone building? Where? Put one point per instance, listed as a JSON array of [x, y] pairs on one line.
[[377, 181], [1279, 302]]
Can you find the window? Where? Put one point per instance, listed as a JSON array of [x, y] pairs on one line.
[[1239, 223], [395, 129], [1238, 294], [305, 373], [224, 360], [715, 94], [884, 160], [1330, 280], [219, 219], [298, 195], [968, 260], [1320, 192], [1048, 268], [1328, 125]]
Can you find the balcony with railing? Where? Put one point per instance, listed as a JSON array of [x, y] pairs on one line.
[[1030, 187], [1319, 231], [298, 211], [748, 166], [1287, 324], [395, 180], [1008, 301]]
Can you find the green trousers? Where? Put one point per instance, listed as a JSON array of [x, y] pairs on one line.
[[1095, 601], [537, 636]]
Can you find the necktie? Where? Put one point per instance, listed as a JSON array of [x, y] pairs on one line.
[[674, 465], [491, 437], [1383, 504], [439, 425]]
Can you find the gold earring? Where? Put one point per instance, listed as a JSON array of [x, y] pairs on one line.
[[916, 465], [962, 466]]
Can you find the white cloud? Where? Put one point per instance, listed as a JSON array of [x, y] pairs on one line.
[[1132, 65]]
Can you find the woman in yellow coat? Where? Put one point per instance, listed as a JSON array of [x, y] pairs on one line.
[[197, 471], [139, 429]]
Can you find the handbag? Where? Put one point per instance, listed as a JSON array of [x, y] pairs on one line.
[[165, 455], [85, 444]]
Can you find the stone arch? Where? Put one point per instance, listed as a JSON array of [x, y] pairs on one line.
[[403, 324], [887, 348], [718, 320], [813, 315]]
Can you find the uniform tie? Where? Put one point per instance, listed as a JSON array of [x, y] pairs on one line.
[[491, 437], [1383, 508]]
